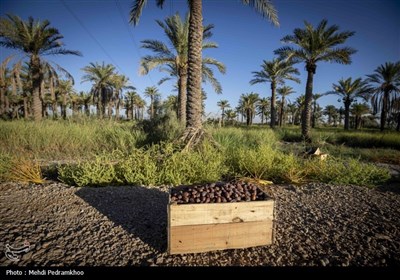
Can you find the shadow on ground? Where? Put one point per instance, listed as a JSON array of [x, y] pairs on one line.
[[140, 211]]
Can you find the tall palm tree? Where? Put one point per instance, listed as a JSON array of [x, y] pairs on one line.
[[194, 93], [283, 92], [249, 102], [316, 96], [358, 110], [223, 104], [275, 72], [349, 91], [262, 107], [101, 76], [175, 61], [386, 80], [36, 39], [315, 45], [151, 92]]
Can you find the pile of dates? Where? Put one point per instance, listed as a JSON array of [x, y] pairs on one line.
[[217, 193]]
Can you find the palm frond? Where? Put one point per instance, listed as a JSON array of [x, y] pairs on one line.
[[136, 11], [265, 8]]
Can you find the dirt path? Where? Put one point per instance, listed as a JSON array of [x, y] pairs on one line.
[[317, 224]]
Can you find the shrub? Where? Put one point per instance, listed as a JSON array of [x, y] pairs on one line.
[[351, 171], [138, 168], [97, 172]]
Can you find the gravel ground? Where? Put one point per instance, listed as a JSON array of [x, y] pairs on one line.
[[316, 225]]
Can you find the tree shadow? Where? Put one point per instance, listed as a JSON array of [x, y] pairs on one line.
[[140, 211]]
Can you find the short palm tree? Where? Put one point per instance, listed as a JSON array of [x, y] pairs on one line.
[[249, 102], [316, 96], [386, 82], [330, 111], [120, 82], [194, 93], [315, 45], [275, 72], [175, 60], [36, 39], [283, 92], [349, 91], [262, 107], [152, 93], [64, 89], [223, 104], [358, 110], [101, 77], [230, 115]]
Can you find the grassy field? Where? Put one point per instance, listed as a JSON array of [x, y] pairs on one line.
[[106, 152]]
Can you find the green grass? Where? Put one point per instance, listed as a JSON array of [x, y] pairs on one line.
[[55, 140], [107, 152]]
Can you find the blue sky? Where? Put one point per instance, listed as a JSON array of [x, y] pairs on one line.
[[245, 39]]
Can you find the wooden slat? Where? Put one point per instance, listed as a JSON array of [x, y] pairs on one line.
[[203, 238], [220, 213]]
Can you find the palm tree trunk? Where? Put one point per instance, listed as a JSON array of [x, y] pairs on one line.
[[26, 114], [194, 97], [182, 97], [151, 106], [222, 116], [36, 81], [281, 114], [273, 87], [398, 121], [117, 109], [109, 109], [347, 115], [64, 106], [2, 100], [262, 116], [314, 112], [384, 109], [306, 115], [247, 117]]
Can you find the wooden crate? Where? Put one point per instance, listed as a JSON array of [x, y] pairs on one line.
[[194, 228]]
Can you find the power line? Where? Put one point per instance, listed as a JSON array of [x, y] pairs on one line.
[[125, 21], [90, 34]]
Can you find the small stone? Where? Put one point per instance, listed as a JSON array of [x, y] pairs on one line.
[[324, 262]]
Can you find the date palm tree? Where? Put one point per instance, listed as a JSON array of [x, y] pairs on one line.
[[223, 104], [316, 96], [249, 102], [386, 81], [275, 72], [283, 92], [36, 39], [314, 45], [64, 89], [358, 110], [349, 91], [230, 115], [120, 82], [101, 76], [194, 93], [262, 107], [174, 60], [152, 93], [330, 111]]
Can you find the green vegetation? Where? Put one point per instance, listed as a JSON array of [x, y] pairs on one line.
[[55, 140], [107, 152]]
